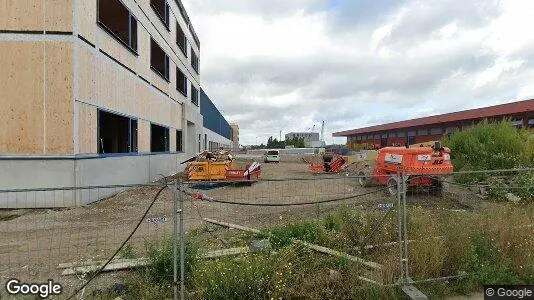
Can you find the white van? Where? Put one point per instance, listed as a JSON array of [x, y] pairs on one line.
[[272, 156]]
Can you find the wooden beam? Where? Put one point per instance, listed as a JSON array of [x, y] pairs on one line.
[[93, 263], [111, 267], [322, 249], [226, 252], [230, 225]]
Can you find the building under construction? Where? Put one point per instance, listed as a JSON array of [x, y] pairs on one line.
[[95, 93]]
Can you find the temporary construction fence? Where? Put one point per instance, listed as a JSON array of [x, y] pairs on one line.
[[364, 235]]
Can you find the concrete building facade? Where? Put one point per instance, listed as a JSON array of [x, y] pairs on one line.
[[433, 128], [311, 139], [235, 135], [101, 92]]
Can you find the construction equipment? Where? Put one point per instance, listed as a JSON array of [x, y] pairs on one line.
[[220, 166], [424, 166], [328, 163]]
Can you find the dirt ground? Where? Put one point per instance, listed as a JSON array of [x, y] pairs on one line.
[[34, 242]]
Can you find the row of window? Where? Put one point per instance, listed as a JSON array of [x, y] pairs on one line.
[[117, 20], [119, 134], [434, 131]]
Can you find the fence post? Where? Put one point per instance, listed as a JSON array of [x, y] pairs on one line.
[[175, 240], [399, 228], [404, 188], [182, 244], [178, 233]]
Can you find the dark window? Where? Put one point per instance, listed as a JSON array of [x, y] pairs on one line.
[[181, 82], [179, 142], [159, 138], [517, 123], [194, 95], [377, 136], [162, 10], [435, 131], [159, 61], [181, 39], [384, 135], [359, 138], [422, 132], [401, 134], [411, 140], [116, 134], [199, 143], [116, 19], [364, 137], [451, 129], [392, 134], [369, 137], [205, 141], [194, 60], [531, 123], [411, 133]]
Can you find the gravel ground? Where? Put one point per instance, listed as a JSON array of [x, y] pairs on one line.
[[34, 242]]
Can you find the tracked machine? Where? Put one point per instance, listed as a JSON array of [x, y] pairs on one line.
[[425, 168]]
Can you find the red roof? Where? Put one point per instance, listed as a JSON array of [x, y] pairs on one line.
[[479, 113]]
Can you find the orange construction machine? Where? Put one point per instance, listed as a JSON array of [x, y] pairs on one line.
[[329, 163], [220, 166], [423, 166]]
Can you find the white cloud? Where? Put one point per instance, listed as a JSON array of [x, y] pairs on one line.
[[291, 64]]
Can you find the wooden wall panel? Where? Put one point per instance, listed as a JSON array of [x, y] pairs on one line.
[[163, 85], [116, 49], [59, 98], [172, 139], [88, 128], [21, 95], [58, 15], [86, 14], [27, 15], [176, 118], [144, 136], [87, 75]]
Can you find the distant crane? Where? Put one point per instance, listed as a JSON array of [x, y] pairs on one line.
[[322, 132]]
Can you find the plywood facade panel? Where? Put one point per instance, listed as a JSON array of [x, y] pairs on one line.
[[86, 14], [58, 15], [115, 49], [87, 128], [159, 82], [144, 136], [87, 74], [172, 139], [59, 97], [21, 95], [23, 15]]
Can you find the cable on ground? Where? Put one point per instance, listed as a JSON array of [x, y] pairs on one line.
[[199, 196], [122, 245]]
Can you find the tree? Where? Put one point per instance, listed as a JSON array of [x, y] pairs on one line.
[[296, 142], [492, 146]]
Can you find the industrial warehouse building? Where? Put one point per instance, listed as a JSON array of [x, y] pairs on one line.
[[217, 131], [101, 92], [435, 127]]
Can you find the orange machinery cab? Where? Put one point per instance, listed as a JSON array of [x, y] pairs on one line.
[[332, 163], [432, 161]]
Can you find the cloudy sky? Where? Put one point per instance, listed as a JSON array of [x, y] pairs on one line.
[[274, 65]]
